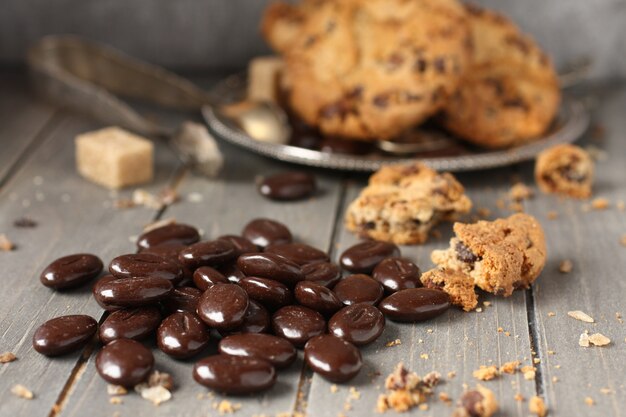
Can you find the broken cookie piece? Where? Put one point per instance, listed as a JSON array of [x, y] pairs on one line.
[[406, 389], [479, 402], [459, 286], [402, 203], [498, 256], [566, 170]]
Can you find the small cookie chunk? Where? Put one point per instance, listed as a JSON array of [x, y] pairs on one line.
[[369, 69], [499, 256], [565, 169], [403, 202], [479, 402], [458, 285], [510, 92], [264, 78]]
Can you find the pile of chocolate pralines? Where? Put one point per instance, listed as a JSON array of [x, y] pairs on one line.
[[262, 295]]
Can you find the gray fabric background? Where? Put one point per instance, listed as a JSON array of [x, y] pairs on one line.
[[222, 34]]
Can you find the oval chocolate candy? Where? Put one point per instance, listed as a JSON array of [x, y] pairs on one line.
[[415, 304]]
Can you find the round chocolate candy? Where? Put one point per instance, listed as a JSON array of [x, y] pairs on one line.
[[234, 374], [232, 273], [241, 244], [182, 335], [145, 265], [71, 271], [270, 266], [323, 273], [171, 234], [124, 362], [397, 274], [64, 334], [333, 358], [276, 350], [288, 186], [299, 253], [223, 306], [257, 320], [213, 253], [359, 288], [206, 277], [298, 324], [133, 323], [415, 304], [317, 297], [359, 324], [272, 294], [131, 292], [363, 257], [265, 232]]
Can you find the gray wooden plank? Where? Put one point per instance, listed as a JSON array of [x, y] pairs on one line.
[[22, 117], [73, 215], [228, 203], [454, 342], [596, 285]]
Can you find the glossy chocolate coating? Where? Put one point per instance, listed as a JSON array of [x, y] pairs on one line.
[[415, 304], [124, 362], [206, 277], [234, 375], [241, 244], [317, 297], [131, 292], [71, 271], [146, 265], [288, 186], [232, 273], [363, 257], [265, 232], [298, 324], [298, 253], [169, 251], [323, 273], [359, 288], [397, 274], [182, 335], [271, 266], [276, 350], [358, 324], [272, 294], [64, 334], [171, 234], [223, 306], [256, 320], [333, 358], [133, 323], [213, 253], [182, 299]]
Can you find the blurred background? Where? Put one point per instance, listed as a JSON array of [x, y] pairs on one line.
[[201, 35]]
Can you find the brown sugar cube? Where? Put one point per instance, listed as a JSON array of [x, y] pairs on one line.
[[114, 158], [263, 78]]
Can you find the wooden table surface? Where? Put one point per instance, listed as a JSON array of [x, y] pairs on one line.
[[38, 180]]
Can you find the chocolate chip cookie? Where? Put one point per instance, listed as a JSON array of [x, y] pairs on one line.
[[369, 69], [565, 169], [402, 203], [498, 256], [510, 92], [458, 285]]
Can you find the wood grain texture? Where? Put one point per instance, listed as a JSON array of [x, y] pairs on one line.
[[596, 284], [223, 206], [73, 216], [22, 117]]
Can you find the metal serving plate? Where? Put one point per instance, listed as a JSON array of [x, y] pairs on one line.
[[572, 121]]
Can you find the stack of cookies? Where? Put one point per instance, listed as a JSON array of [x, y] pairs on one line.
[[371, 69]]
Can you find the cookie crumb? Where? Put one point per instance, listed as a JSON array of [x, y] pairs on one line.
[[21, 391], [537, 407], [226, 407], [5, 244], [598, 339], [520, 191], [393, 343], [620, 205], [589, 401], [334, 388], [445, 398], [406, 390], [622, 240], [116, 390], [451, 374], [552, 215], [7, 357], [510, 367], [157, 394], [519, 397], [116, 400], [583, 339], [579, 315], [480, 402], [483, 212], [566, 266], [551, 314], [486, 373], [424, 356], [600, 203], [529, 372]]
